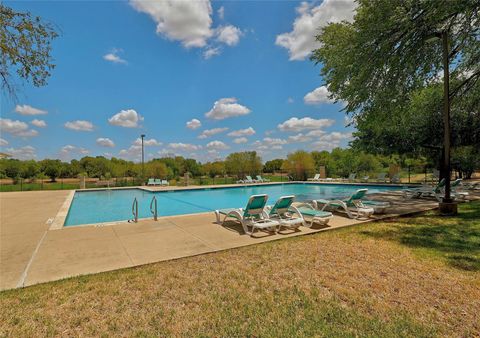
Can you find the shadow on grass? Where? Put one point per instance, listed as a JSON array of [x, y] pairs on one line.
[[454, 239]]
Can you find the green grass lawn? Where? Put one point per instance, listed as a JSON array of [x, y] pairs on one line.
[[408, 277]]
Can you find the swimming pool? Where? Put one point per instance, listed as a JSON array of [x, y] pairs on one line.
[[90, 207]]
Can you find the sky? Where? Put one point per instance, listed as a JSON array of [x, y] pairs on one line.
[[200, 79]]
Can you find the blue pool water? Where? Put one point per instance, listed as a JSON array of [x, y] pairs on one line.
[[116, 205]]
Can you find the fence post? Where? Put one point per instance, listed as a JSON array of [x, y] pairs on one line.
[[62, 183], [408, 174], [21, 184]]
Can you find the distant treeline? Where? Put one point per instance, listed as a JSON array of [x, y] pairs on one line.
[[300, 164]]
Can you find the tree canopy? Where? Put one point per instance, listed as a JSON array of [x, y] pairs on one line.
[[386, 67], [25, 44]]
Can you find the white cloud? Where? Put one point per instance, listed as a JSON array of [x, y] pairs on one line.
[[318, 96], [229, 35], [194, 124], [211, 51], [126, 118], [79, 125], [186, 21], [226, 108], [269, 132], [114, 57], [16, 128], [269, 143], [3, 142], [331, 140], [295, 124], [242, 132], [147, 142], [299, 138], [105, 142], [336, 136], [301, 40], [210, 132], [69, 151], [316, 133], [29, 110], [22, 153], [240, 140], [221, 13], [39, 123], [290, 100], [134, 152], [184, 146], [217, 145]]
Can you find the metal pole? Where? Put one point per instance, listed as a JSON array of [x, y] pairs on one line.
[[446, 117], [143, 160]]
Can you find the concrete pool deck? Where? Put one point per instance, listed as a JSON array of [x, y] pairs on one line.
[[32, 251]]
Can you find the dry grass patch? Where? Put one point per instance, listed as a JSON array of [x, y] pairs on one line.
[[352, 282]]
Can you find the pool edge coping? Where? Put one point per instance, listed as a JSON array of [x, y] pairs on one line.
[[61, 216]]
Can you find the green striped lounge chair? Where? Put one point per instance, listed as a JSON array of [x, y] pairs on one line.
[[285, 214], [426, 191], [355, 203], [252, 216], [456, 188], [315, 216]]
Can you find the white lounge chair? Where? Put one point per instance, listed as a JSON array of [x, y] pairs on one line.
[[249, 179], [351, 177], [471, 185], [314, 178], [252, 216], [287, 215], [355, 203], [261, 179], [165, 182], [151, 181], [315, 216], [395, 179], [426, 191], [457, 191], [382, 177], [158, 182]]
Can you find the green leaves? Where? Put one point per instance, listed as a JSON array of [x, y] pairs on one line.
[[25, 44], [389, 71]]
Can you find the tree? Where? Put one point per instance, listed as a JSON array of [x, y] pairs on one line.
[[51, 168], [25, 44], [466, 160], [157, 169], [29, 169], [385, 66], [273, 165], [192, 166], [12, 168], [243, 163], [213, 169], [299, 164]]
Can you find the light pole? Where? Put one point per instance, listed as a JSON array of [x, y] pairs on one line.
[[447, 206], [143, 159]]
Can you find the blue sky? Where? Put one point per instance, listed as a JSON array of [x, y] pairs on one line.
[[200, 79]]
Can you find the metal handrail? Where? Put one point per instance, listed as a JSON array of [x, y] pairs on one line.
[[135, 210], [155, 210]]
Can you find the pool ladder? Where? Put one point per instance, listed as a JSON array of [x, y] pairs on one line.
[[153, 209], [135, 210]]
